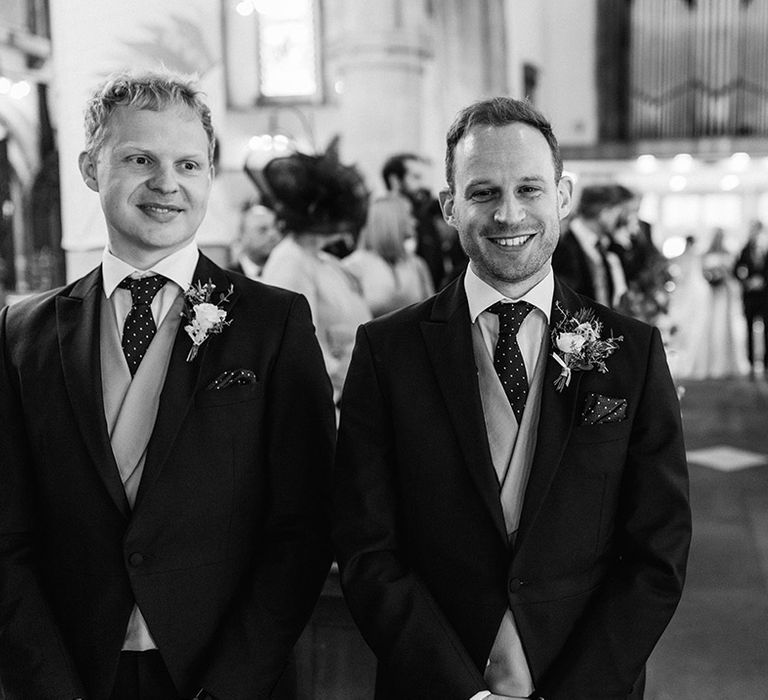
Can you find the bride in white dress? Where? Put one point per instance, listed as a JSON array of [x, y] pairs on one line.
[[708, 313]]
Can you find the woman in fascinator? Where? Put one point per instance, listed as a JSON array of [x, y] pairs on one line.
[[317, 200]]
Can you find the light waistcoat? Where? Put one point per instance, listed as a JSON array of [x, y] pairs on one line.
[[130, 407], [512, 449]]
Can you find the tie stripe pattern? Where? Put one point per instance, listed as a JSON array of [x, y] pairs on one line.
[[139, 327], [507, 359]]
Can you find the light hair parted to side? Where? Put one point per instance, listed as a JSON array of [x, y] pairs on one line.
[[151, 90]]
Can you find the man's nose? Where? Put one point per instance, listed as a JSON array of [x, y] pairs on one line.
[[163, 179], [509, 211]]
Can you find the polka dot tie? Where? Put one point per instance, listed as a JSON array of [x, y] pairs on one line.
[[139, 327], [508, 360]]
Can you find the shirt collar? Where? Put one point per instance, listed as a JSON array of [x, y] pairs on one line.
[[480, 294], [179, 267]]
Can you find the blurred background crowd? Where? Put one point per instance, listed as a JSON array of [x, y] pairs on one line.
[[330, 118]]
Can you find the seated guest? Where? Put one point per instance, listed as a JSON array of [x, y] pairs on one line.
[[385, 264], [317, 200], [257, 237]]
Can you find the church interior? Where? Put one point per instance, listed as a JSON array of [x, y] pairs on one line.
[[666, 98]]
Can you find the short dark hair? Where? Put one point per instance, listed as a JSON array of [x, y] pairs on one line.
[[148, 90], [498, 111], [395, 165], [595, 198]]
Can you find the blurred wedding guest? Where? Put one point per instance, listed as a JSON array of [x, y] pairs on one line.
[[646, 270], [403, 173], [455, 260], [581, 258], [716, 347], [752, 273], [385, 263], [318, 200], [257, 236], [163, 517]]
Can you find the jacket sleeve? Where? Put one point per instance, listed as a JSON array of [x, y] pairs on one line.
[[398, 617], [34, 661], [610, 644], [258, 634]]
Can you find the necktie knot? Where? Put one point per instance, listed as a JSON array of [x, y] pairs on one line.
[[511, 316], [143, 289], [139, 327]]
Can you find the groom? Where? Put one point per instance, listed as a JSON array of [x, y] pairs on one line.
[[163, 479], [507, 527]]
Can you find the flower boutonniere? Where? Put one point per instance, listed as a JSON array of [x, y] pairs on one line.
[[579, 346], [204, 317]]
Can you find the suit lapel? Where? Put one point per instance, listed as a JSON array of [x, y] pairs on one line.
[[181, 382], [77, 318], [558, 410], [448, 340]]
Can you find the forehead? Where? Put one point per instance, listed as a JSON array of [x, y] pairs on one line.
[[172, 128], [512, 150]]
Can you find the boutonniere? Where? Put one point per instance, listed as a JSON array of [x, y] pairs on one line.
[[579, 346], [204, 317]]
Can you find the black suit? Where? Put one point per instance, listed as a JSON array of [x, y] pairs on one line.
[[599, 560], [227, 546]]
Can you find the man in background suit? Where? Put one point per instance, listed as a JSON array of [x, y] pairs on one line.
[[582, 258], [163, 511], [501, 532]]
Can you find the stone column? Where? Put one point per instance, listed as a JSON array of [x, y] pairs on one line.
[[377, 52]]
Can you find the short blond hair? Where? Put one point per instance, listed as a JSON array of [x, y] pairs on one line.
[[151, 90]]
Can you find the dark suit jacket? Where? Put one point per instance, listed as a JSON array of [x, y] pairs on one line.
[[599, 561], [571, 265], [227, 547]]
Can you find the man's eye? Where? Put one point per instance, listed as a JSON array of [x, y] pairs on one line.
[[140, 160], [481, 195], [528, 190], [190, 165]]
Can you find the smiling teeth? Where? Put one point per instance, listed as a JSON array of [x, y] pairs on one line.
[[512, 242]]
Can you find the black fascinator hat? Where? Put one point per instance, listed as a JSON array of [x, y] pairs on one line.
[[313, 194]]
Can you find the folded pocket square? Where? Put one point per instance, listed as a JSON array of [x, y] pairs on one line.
[[603, 409], [233, 377]]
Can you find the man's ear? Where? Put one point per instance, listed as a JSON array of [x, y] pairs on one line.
[[88, 170], [565, 195], [446, 205]]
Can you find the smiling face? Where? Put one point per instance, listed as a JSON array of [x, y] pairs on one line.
[[506, 204], [153, 176]]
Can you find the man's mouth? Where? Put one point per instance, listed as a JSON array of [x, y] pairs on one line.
[[512, 241], [151, 208]]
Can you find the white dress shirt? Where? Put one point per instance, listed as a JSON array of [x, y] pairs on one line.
[[178, 267]]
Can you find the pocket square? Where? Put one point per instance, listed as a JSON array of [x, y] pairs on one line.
[[232, 377], [603, 409]]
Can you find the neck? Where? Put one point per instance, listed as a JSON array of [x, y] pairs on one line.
[[517, 288]]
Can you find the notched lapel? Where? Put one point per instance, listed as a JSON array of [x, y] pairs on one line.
[[182, 381], [556, 421], [77, 318], [448, 340]]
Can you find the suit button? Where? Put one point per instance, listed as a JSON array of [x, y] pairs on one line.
[[136, 559], [516, 584]]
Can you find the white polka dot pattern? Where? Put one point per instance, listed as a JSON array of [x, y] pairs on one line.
[[139, 327], [507, 359]]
